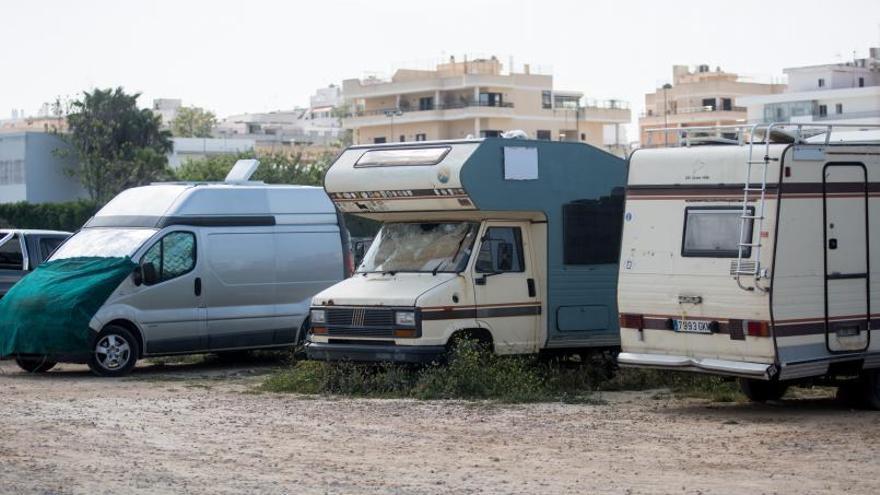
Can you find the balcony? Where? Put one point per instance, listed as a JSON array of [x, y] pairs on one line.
[[692, 110], [388, 112]]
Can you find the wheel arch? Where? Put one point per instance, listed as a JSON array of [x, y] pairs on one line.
[[130, 326]]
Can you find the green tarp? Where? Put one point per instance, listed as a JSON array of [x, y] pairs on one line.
[[48, 311]]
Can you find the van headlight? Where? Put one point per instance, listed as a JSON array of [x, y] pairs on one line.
[[405, 318], [319, 316]]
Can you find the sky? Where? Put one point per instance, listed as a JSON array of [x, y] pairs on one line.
[[255, 55]]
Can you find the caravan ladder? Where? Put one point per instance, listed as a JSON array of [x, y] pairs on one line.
[[749, 217]]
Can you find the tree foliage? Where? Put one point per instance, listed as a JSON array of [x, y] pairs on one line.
[[193, 122], [275, 168], [116, 144]]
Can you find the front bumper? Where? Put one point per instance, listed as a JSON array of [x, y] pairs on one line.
[[704, 365], [374, 353]]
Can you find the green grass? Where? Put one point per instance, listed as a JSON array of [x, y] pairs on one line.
[[473, 374]]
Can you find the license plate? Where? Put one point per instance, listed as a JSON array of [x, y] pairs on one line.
[[692, 326]]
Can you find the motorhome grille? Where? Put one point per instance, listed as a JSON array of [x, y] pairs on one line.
[[360, 317], [360, 332]]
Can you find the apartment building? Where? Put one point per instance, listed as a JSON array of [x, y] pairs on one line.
[[31, 170], [478, 98], [697, 97], [846, 92]]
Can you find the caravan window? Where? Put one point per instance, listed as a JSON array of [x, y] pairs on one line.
[[402, 157], [591, 230], [713, 232], [173, 255], [501, 251]]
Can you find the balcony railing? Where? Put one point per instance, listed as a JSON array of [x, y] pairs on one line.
[[428, 108], [693, 110]]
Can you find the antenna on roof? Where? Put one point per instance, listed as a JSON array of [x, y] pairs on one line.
[[242, 171]]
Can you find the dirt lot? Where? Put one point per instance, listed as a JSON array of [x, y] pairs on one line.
[[201, 428]]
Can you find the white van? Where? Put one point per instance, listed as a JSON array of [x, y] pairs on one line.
[[221, 267], [757, 261], [512, 242]]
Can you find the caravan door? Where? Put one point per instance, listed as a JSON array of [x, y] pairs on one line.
[[847, 282], [505, 288]]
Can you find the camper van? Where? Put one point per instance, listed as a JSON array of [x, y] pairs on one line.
[[511, 242], [220, 267], [756, 259]]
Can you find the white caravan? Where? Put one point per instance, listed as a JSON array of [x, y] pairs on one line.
[[757, 261], [512, 242], [221, 267]]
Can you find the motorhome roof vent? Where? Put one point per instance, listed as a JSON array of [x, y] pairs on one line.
[[515, 134], [242, 171]]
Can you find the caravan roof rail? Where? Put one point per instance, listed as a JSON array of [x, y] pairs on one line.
[[742, 134]]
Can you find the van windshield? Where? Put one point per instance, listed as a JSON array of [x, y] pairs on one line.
[[108, 243], [420, 247]]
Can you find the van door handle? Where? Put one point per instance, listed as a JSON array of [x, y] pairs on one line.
[[198, 286], [531, 285]]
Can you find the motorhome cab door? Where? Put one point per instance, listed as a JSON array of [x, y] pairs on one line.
[[846, 257], [505, 289]]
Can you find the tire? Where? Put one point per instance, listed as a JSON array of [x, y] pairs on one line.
[[762, 390], [35, 364], [870, 389], [115, 352]]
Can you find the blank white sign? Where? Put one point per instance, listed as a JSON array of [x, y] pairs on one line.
[[520, 163]]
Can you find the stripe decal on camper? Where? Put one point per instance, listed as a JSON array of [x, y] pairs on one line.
[[399, 194], [483, 311], [715, 192], [782, 328]]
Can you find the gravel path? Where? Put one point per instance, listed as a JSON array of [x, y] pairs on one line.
[[201, 428]]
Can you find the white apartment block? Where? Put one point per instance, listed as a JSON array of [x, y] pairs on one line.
[[478, 98], [847, 92]]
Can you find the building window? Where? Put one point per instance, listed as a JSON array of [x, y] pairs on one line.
[[543, 135], [838, 108], [583, 136], [490, 134], [546, 99], [402, 138], [501, 251], [378, 140], [11, 172], [491, 100], [713, 232], [861, 82], [709, 103], [726, 104], [591, 230], [823, 110], [821, 82], [426, 103], [421, 137]]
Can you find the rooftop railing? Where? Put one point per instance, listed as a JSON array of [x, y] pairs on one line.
[[428, 108]]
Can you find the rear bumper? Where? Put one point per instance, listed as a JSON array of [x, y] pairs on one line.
[[374, 353], [686, 363]]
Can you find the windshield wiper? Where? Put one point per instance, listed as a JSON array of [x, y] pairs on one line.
[[457, 250]]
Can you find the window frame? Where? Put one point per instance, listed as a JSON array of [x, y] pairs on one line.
[[22, 247], [445, 149], [160, 242], [518, 249], [747, 253]]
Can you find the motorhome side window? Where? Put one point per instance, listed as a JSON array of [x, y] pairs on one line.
[[591, 230], [11, 257], [501, 251], [713, 232], [173, 255]]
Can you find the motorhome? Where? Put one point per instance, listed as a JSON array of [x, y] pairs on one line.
[[512, 242], [756, 259], [220, 267]]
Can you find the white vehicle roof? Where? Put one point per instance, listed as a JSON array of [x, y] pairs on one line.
[[158, 205], [4, 232]]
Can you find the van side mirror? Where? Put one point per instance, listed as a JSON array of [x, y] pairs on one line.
[[505, 256], [145, 274]]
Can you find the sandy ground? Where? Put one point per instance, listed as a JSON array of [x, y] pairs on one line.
[[201, 428]]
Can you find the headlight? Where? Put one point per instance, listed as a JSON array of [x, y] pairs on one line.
[[319, 316], [405, 318]]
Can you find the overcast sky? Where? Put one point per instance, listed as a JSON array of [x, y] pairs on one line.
[[250, 55]]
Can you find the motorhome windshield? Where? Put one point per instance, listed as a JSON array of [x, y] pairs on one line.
[[420, 247], [103, 242]]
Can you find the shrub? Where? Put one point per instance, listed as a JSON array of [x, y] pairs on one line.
[[54, 216]]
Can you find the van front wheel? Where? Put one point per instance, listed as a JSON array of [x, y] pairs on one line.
[[115, 352], [762, 390]]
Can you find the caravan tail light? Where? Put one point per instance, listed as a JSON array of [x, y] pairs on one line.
[[758, 328], [632, 321]]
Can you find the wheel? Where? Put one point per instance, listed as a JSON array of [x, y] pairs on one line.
[[762, 390], [35, 364], [115, 352], [870, 389]]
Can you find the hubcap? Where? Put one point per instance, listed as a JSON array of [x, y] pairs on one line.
[[113, 352]]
